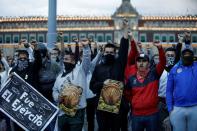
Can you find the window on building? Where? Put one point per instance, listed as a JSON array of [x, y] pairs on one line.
[[143, 37], [194, 39], [32, 38], [66, 39], [24, 37], [156, 37], [73, 37], [91, 36], [16, 39], [82, 36], [172, 38], [1, 39], [164, 38], [8, 39], [41, 39], [108, 38], [100, 38]]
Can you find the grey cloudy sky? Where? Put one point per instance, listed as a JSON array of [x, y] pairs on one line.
[[96, 7]]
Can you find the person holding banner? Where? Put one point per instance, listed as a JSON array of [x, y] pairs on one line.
[[70, 88], [28, 64]]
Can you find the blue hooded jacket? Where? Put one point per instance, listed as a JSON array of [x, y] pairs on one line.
[[182, 86]]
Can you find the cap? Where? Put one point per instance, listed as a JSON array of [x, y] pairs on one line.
[[23, 51], [187, 48], [142, 56]]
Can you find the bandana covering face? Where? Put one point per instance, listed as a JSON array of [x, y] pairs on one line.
[[22, 64], [170, 61], [69, 66]]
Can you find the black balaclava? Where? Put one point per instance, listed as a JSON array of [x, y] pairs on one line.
[[68, 66], [189, 59], [109, 58]]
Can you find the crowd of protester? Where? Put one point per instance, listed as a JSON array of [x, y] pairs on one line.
[[160, 87]]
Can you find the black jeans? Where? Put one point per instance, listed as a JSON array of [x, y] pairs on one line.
[[124, 110], [108, 121], [75, 123], [90, 112], [114, 122]]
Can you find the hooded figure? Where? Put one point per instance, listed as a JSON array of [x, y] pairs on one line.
[[47, 73], [181, 96]]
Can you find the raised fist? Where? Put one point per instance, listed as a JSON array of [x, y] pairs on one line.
[[157, 44], [180, 38], [125, 23], [84, 42]]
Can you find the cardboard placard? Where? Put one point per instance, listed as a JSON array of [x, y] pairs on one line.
[[111, 95], [70, 96]]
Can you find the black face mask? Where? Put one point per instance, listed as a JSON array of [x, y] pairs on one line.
[[109, 58], [187, 60], [69, 66]]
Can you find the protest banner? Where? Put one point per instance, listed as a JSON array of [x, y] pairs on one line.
[[26, 106]]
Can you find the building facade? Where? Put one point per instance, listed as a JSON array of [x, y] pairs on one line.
[[100, 29]]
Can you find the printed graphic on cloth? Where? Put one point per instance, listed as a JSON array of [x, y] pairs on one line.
[[70, 97], [26, 106], [110, 97]]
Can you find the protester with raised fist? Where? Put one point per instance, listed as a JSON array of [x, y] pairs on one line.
[[72, 118], [181, 96], [110, 68], [142, 83]]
